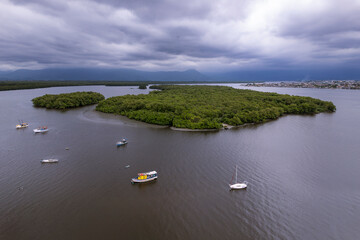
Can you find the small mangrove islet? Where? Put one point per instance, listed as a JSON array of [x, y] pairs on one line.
[[67, 100], [208, 107]]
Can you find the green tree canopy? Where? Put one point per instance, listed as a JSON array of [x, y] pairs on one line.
[[67, 100], [207, 107]]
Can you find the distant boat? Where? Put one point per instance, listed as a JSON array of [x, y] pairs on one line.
[[51, 160], [236, 185], [145, 177], [22, 125], [41, 129], [122, 142]]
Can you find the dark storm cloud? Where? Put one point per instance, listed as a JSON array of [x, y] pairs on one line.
[[200, 34], [154, 10]]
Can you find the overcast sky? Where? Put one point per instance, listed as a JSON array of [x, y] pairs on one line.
[[221, 35]]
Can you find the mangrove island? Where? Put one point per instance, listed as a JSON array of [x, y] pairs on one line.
[[67, 100], [208, 107]]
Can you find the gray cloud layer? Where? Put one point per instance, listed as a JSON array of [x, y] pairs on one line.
[[177, 35]]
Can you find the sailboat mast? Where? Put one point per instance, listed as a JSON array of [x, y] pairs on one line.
[[236, 173]]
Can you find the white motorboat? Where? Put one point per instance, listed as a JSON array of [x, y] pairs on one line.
[[51, 160], [236, 185], [41, 129], [122, 142], [145, 177]]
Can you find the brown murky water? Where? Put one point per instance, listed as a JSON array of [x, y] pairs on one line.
[[303, 174]]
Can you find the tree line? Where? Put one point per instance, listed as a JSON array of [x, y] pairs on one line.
[[17, 85]]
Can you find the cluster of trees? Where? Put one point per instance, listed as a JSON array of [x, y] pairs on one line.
[[142, 86], [207, 107], [67, 100]]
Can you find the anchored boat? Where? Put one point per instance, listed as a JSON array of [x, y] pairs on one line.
[[122, 142], [51, 160], [236, 185], [145, 177], [22, 125], [41, 129]]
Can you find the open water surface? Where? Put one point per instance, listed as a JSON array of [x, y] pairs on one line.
[[303, 174]]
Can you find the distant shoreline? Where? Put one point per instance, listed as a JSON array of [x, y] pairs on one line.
[[8, 85], [19, 85], [330, 84]]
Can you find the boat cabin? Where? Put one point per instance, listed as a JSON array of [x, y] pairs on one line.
[[143, 176]]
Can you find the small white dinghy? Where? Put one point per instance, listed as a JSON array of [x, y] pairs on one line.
[[236, 185], [41, 129], [51, 160]]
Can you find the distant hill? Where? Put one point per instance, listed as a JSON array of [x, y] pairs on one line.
[[93, 74], [3, 73], [96, 74]]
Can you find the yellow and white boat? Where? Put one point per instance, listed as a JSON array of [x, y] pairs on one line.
[[145, 177], [22, 125]]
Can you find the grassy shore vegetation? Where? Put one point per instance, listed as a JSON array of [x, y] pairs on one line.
[[67, 100], [207, 107]]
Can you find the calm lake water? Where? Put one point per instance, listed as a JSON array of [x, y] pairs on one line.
[[303, 174]]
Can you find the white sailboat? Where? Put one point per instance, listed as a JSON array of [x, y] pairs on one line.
[[236, 185]]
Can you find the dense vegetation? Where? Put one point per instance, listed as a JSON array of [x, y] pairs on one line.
[[207, 107], [143, 86], [17, 85], [67, 100]]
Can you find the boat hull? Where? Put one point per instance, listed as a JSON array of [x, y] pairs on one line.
[[49, 161], [135, 180], [238, 186], [118, 144], [40, 131]]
